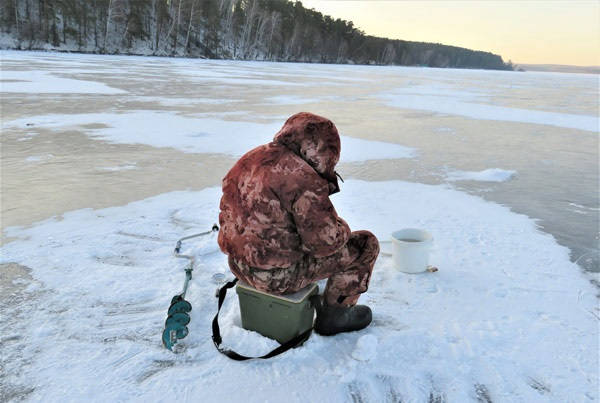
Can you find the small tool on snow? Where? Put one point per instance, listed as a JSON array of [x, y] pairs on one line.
[[178, 318]]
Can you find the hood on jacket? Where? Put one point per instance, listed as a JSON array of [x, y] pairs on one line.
[[315, 139]]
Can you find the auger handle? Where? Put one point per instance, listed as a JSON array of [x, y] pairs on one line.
[[214, 228], [192, 259]]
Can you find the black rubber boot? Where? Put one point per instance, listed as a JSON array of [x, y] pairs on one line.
[[336, 319]]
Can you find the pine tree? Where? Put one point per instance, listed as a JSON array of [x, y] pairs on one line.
[[240, 29]]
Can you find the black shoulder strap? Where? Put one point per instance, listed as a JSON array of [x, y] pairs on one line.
[[301, 338]]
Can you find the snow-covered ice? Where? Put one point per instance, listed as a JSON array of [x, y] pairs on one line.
[[198, 134], [39, 158], [39, 82], [471, 104], [126, 167], [507, 316], [170, 101], [291, 100], [487, 175]]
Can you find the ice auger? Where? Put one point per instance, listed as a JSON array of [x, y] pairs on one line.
[[178, 317]]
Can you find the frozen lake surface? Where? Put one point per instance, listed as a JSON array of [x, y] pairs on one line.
[[62, 115], [509, 317]]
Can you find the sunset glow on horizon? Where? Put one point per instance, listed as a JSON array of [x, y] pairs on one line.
[[535, 32]]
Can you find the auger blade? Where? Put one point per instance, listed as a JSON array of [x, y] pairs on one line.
[[181, 306], [179, 318], [172, 333]]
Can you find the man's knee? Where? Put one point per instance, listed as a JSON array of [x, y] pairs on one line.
[[366, 243]]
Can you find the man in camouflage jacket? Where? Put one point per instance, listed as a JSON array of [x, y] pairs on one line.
[[281, 231]]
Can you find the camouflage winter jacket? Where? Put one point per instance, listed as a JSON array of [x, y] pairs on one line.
[[275, 206]]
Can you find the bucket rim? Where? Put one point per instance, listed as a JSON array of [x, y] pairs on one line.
[[423, 235]]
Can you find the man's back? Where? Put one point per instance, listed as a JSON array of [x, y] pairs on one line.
[[281, 231], [256, 227], [275, 206]]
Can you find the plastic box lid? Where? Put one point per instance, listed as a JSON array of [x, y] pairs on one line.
[[294, 298]]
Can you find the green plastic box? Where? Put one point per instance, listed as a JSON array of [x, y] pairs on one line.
[[279, 317]]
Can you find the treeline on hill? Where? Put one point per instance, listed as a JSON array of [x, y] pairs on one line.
[[277, 30]]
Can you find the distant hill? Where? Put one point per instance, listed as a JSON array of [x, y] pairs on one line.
[[560, 68], [276, 30]]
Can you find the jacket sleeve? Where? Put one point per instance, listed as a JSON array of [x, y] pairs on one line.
[[321, 230]]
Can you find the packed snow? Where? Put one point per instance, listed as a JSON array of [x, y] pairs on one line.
[[366, 348], [487, 175], [197, 134], [507, 316]]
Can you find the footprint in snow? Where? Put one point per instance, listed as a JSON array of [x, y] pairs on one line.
[[388, 385], [539, 386], [357, 391], [432, 289], [366, 348], [389, 322], [482, 393], [436, 397]]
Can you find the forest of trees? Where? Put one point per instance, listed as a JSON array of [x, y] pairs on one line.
[[277, 30]]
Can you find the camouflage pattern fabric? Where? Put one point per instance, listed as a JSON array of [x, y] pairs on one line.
[[348, 270], [278, 226]]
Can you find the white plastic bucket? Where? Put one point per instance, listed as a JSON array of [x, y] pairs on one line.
[[410, 250]]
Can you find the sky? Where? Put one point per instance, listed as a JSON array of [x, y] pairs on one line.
[[524, 31]]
